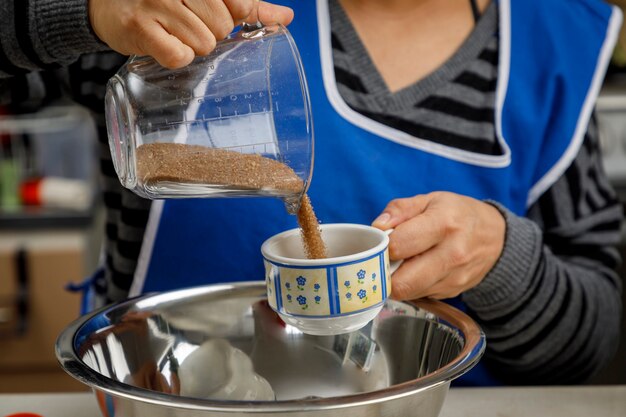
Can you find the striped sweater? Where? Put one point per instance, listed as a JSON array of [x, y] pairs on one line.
[[551, 305]]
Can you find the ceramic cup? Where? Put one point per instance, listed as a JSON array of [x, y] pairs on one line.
[[334, 295]]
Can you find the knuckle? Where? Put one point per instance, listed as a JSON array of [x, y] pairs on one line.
[[393, 249], [442, 295], [401, 290], [133, 23], [440, 195], [209, 43], [455, 293], [223, 29], [458, 255], [176, 58], [456, 283], [240, 9], [142, 44], [131, 20], [452, 224], [206, 45], [202, 49], [393, 204], [398, 205]]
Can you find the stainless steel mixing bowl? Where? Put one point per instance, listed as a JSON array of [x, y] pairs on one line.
[[143, 357]]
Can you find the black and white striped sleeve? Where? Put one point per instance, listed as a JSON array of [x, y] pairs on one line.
[[43, 35], [551, 306]]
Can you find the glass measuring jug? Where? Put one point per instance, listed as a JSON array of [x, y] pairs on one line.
[[236, 122]]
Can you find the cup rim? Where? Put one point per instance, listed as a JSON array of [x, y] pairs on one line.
[[324, 262]]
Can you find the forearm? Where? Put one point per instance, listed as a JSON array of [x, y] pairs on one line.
[[43, 34], [551, 315]]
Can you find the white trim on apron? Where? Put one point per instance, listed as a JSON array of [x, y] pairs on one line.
[[149, 237], [403, 138], [570, 153]]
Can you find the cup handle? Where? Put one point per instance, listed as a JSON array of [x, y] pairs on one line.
[[393, 265]]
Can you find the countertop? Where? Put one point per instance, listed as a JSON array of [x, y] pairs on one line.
[[581, 401]]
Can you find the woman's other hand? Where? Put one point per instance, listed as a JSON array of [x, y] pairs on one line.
[[174, 31], [448, 242]]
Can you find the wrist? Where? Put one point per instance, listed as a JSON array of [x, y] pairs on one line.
[[511, 273], [496, 226], [67, 29], [92, 16]]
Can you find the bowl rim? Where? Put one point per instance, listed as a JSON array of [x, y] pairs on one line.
[[470, 354]]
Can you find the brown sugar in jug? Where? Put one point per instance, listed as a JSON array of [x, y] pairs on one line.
[[194, 164]]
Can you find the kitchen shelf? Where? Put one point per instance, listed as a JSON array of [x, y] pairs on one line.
[[29, 218]]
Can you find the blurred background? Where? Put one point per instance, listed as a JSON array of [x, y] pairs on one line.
[[51, 225], [51, 222]]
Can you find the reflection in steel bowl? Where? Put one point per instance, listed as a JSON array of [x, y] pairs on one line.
[[219, 350]]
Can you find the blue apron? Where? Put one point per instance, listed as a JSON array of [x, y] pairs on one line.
[[545, 95]]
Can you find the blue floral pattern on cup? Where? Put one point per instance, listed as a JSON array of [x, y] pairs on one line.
[[317, 292], [360, 276], [302, 301], [301, 281]]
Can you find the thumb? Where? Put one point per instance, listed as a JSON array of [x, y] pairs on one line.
[[400, 210], [269, 13]]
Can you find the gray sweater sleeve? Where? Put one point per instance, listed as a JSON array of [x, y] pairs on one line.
[[551, 306], [43, 34]]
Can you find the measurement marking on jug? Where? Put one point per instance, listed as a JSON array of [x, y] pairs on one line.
[[253, 146], [212, 119]]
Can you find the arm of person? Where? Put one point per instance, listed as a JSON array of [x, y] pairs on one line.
[[47, 34], [543, 288], [551, 307]]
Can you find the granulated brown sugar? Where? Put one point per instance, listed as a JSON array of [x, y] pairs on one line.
[[194, 164], [311, 233], [177, 162]]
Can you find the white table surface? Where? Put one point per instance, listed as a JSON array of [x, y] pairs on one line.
[[583, 401]]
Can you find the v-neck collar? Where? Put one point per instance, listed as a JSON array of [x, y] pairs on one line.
[[361, 61]]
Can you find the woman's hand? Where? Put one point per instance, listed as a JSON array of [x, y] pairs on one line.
[[448, 242], [174, 31]]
